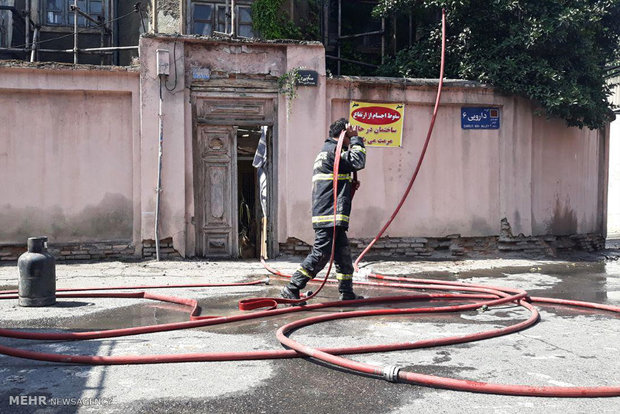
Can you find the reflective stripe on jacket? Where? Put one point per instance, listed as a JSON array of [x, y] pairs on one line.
[[351, 159]]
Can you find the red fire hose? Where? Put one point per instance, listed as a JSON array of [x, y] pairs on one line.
[[489, 296], [424, 148], [479, 297], [395, 374]]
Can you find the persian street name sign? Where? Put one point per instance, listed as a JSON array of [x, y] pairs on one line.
[[480, 118]]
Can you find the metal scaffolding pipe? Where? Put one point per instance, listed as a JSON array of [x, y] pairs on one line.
[[351, 61], [232, 18], [110, 48], [24, 49], [27, 24], [383, 41], [351, 36], [394, 45], [339, 34], [91, 19], [154, 16], [226, 17], [341, 37], [75, 32], [410, 29], [33, 49], [93, 51]]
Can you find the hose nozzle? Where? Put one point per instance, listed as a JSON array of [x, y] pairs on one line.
[[362, 274]]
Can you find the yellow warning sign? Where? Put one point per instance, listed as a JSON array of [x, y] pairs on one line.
[[381, 125]]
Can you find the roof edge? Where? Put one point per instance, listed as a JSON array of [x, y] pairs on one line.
[[383, 80], [231, 40], [60, 66]]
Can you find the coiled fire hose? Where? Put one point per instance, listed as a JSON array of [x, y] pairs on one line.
[[482, 297]]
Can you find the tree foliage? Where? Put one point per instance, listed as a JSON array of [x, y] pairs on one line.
[[270, 21], [551, 51]]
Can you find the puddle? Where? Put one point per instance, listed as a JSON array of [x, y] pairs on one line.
[[131, 316], [580, 281]]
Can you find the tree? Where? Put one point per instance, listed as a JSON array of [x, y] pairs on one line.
[[552, 51]]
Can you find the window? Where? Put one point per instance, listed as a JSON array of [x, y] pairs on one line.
[[223, 23], [207, 17], [4, 28], [244, 22], [203, 19], [58, 12]]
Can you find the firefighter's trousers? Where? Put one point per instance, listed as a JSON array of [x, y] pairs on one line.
[[321, 251]]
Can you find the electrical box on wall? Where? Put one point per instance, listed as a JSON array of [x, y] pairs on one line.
[[163, 62]]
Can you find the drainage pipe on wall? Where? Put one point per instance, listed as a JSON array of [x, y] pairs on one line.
[[159, 165]]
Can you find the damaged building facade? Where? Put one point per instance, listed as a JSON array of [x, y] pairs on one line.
[[107, 31], [79, 160]]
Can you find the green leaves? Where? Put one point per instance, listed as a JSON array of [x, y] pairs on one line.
[[269, 20], [551, 51]]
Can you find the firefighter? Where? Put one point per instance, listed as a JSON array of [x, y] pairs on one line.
[[353, 158]]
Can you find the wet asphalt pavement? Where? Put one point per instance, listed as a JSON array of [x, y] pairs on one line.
[[568, 347]]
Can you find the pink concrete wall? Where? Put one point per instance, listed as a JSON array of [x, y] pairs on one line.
[[566, 179], [67, 154], [457, 190], [470, 179], [78, 152]]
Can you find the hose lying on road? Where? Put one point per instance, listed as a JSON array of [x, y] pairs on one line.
[[480, 297]]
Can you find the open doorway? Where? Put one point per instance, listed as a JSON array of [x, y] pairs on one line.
[[251, 220], [226, 135], [230, 220]]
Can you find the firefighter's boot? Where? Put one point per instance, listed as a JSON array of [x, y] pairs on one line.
[[345, 287], [298, 282]]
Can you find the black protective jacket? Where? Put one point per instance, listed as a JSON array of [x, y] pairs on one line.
[[351, 159]]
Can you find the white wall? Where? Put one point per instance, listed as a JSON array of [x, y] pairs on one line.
[[613, 203]]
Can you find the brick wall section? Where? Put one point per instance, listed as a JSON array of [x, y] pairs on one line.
[[549, 244], [457, 246], [105, 250], [63, 252], [454, 245], [166, 250], [402, 247]]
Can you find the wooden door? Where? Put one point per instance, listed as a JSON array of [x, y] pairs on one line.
[[216, 191]]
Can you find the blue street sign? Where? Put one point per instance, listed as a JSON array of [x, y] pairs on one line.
[[479, 118]]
